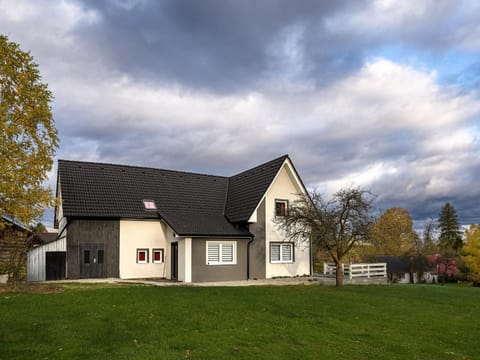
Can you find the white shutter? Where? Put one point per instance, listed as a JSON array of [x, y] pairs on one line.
[[287, 252], [227, 253], [274, 252], [213, 251]]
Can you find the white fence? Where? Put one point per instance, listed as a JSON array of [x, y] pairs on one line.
[[352, 271]]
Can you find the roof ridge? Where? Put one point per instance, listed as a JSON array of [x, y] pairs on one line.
[[140, 167], [283, 157]]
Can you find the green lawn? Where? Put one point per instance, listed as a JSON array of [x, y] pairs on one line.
[[291, 322]]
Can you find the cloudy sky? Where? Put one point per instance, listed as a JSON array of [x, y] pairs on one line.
[[378, 94]]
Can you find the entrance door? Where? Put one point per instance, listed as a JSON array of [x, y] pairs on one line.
[[92, 262], [174, 269], [55, 265]]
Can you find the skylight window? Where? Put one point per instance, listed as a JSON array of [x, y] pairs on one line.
[[149, 205]]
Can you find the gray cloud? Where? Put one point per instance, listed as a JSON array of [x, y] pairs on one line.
[[219, 86]]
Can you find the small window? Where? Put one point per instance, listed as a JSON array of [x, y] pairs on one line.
[[281, 207], [142, 256], [86, 256], [221, 253], [149, 205], [100, 256], [281, 252], [157, 256]]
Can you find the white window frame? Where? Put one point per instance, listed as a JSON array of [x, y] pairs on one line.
[[162, 252], [281, 246], [147, 253], [221, 244]]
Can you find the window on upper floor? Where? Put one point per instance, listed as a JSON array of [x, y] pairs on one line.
[[281, 252], [221, 252], [281, 207]]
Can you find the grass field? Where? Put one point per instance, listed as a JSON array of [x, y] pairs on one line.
[[291, 322]]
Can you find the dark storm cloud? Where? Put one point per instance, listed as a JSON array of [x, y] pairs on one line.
[[215, 45]]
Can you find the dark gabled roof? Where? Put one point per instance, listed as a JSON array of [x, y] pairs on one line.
[[192, 204], [42, 238], [245, 190], [401, 264], [15, 224]]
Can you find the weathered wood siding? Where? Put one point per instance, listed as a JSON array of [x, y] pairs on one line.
[[36, 259], [84, 232], [13, 249]]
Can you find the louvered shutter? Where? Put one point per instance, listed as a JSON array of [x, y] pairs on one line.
[[287, 252], [227, 253], [213, 252], [274, 252]]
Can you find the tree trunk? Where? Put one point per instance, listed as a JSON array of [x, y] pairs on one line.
[[339, 274]]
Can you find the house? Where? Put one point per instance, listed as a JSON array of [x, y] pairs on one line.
[[137, 222]]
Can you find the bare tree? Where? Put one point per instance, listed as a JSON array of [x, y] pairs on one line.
[[335, 225]]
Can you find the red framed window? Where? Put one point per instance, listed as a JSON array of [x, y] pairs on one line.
[[157, 256], [142, 256]]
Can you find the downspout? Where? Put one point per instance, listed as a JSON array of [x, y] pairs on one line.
[[248, 256]]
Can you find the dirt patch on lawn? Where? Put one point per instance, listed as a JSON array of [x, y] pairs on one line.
[[32, 288], [58, 287]]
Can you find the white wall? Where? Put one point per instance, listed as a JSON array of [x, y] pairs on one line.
[[36, 259], [284, 187], [143, 234], [185, 260], [59, 212]]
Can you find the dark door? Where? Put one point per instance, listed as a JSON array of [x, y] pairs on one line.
[[55, 265], [92, 262], [174, 272]]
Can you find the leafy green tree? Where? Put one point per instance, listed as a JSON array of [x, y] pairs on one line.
[[449, 226], [393, 234], [29, 136], [334, 225], [471, 252]]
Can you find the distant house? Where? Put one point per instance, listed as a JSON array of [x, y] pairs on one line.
[[407, 269], [137, 222]]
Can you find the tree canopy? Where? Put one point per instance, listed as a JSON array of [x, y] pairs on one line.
[[29, 136], [450, 235], [471, 252], [393, 234], [334, 225]]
